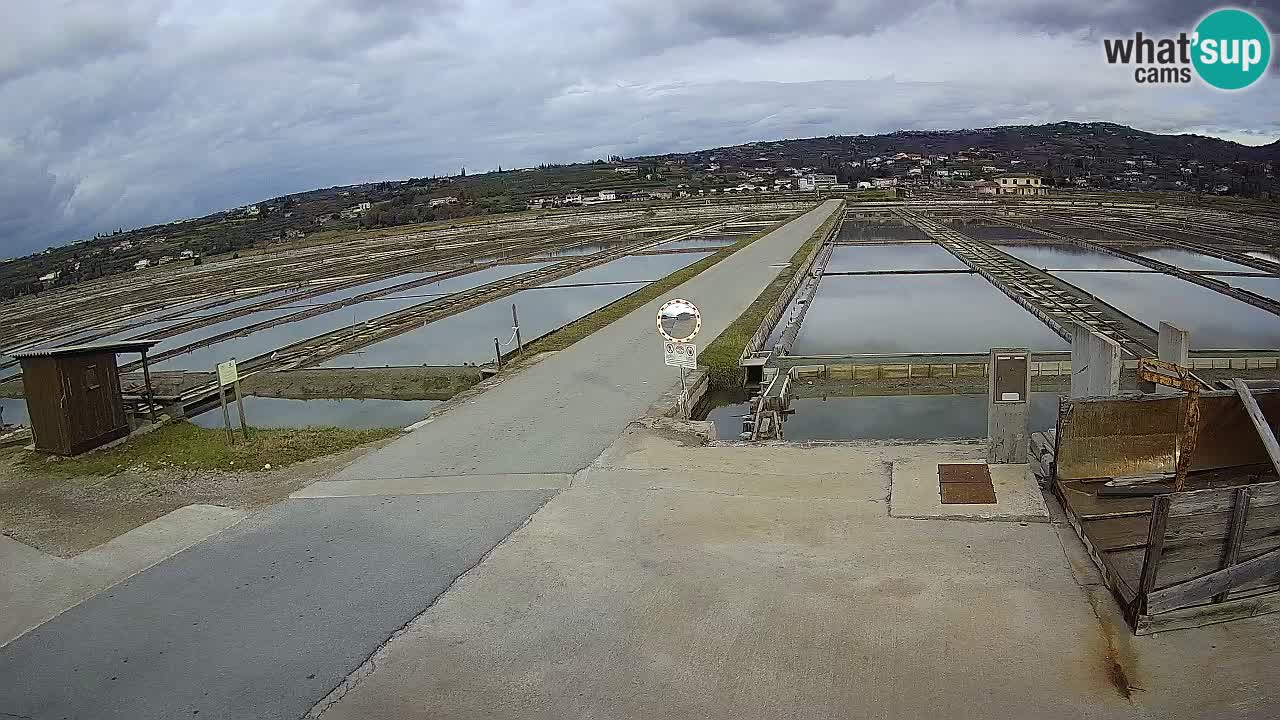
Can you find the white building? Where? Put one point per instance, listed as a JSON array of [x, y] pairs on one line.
[[816, 181], [1021, 185], [142, 265]]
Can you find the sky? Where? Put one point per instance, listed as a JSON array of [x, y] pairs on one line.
[[122, 113]]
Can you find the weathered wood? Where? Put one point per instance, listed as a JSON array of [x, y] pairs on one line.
[[1201, 615], [1155, 546], [1259, 422], [1217, 500], [1201, 588], [1235, 537], [1179, 564]]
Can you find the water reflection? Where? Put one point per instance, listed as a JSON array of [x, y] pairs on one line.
[[468, 336], [1188, 260], [13, 411], [1264, 286], [266, 412], [1067, 257], [897, 256], [852, 231], [1215, 320], [278, 336], [886, 417], [916, 313]]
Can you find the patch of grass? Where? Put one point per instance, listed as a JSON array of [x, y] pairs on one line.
[[588, 324], [721, 357], [185, 446]]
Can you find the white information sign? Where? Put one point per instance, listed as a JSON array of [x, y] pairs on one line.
[[227, 373], [678, 354]]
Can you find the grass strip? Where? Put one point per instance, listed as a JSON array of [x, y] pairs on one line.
[[185, 446], [588, 324], [721, 357]]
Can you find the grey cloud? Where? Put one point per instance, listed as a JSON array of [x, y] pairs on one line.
[[195, 108]]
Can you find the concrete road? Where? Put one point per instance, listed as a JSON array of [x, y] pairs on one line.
[[262, 620], [265, 619], [558, 415], [772, 582]]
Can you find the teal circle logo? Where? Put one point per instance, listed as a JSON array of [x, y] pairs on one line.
[[1232, 49]]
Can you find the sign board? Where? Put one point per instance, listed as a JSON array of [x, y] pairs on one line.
[[679, 321], [1010, 371], [682, 355], [227, 373]]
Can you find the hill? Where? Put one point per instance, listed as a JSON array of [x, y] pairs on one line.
[[1089, 155]]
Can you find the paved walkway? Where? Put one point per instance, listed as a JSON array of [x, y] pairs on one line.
[[265, 619], [559, 415]]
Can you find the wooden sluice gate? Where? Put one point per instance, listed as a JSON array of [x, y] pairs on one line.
[[1175, 559]]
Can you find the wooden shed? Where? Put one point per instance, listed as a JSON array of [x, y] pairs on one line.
[[73, 394]]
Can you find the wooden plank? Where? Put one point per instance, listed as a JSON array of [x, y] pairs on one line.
[[1201, 615], [1216, 527], [1155, 546], [1259, 422], [1084, 502], [1201, 588], [1235, 537], [1188, 562], [1220, 500]]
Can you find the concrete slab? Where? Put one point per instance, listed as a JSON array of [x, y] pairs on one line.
[[35, 587], [914, 493], [626, 599], [261, 620]]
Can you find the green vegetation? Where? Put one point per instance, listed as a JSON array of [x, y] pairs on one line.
[[587, 324], [721, 357], [188, 447]]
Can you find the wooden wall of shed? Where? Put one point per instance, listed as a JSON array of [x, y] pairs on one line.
[[67, 415], [42, 386], [96, 416], [1134, 435]]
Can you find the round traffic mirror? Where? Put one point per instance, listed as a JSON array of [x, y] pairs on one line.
[[679, 320]]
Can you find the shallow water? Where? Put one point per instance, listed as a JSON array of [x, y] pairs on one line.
[[1214, 320], [916, 313], [1067, 257], [468, 336], [267, 412], [899, 256], [13, 411], [886, 417], [1189, 260], [270, 338]]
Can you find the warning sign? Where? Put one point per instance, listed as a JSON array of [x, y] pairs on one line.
[[678, 354]]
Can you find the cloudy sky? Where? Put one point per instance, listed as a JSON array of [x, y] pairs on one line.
[[129, 112]]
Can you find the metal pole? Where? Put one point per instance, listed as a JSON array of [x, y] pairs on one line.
[[515, 322], [684, 395], [497, 351], [226, 415], [151, 396], [244, 425]]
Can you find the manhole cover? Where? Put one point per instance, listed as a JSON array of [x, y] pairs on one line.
[[964, 473], [968, 494], [965, 484]]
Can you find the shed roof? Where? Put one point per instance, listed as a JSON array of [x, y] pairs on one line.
[[118, 347]]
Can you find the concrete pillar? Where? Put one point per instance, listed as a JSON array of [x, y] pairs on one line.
[[1080, 340], [1174, 345], [1008, 405], [1095, 364]]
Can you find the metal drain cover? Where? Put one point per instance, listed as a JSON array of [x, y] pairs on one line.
[[965, 484], [964, 473]]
